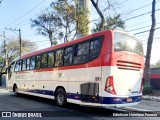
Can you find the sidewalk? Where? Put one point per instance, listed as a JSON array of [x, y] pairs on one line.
[[148, 105], [149, 97], [3, 87]]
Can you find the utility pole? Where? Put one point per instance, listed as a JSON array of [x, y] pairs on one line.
[[147, 71], [87, 5], [5, 50], [20, 41]]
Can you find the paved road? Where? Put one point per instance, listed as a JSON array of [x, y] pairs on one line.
[[9, 102]]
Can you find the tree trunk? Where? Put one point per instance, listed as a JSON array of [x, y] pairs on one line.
[[51, 38], [95, 4], [147, 71]]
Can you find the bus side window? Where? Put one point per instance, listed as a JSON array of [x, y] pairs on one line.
[[24, 64], [44, 60], [59, 58], [28, 63], [38, 62], [68, 56], [50, 59], [95, 47], [32, 63], [16, 66], [12, 66], [81, 53]]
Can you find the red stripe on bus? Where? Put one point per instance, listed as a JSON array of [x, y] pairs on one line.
[[119, 59]]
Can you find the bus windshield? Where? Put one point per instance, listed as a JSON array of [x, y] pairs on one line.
[[124, 42]]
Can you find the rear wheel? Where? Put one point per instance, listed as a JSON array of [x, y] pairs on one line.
[[60, 97]]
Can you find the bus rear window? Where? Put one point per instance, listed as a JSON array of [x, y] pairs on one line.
[[124, 42]]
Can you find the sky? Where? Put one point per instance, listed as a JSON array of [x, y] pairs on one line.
[[16, 14]]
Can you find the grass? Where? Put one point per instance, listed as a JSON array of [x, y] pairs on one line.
[[147, 89]]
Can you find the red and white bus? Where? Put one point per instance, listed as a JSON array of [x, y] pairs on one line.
[[103, 69]]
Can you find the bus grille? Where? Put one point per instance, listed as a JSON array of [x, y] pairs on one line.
[[128, 65]]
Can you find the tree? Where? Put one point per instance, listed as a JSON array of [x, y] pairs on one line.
[[1, 62], [74, 14], [149, 45], [12, 49], [64, 11], [112, 23], [48, 24], [102, 23], [64, 21]]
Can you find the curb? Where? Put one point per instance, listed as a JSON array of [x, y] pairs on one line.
[[148, 97], [1, 87]]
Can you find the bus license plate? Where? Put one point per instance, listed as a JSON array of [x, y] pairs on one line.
[[129, 99]]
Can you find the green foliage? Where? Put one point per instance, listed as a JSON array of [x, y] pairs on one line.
[[147, 89], [1, 59], [63, 21], [81, 18], [12, 48], [73, 14], [112, 23], [115, 22], [47, 24]]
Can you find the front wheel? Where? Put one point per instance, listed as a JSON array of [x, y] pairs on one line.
[[60, 97]]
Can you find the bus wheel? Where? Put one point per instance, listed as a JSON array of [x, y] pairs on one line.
[[60, 97], [15, 90]]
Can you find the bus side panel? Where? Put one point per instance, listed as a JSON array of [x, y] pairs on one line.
[[43, 83]]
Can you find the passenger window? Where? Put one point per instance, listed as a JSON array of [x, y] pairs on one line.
[[68, 56], [82, 49], [44, 60], [24, 64], [59, 58], [16, 66], [32, 63], [95, 46], [12, 66], [81, 53], [50, 59], [28, 63], [38, 62]]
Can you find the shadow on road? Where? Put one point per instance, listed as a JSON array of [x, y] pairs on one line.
[[76, 109]]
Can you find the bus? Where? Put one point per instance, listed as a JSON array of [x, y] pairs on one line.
[[104, 69]]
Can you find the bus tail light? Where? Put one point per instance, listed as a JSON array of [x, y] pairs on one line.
[[109, 87], [142, 83]]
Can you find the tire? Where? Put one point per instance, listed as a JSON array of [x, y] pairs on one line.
[[60, 97], [15, 90]]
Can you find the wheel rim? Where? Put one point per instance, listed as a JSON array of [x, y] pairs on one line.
[[60, 98]]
